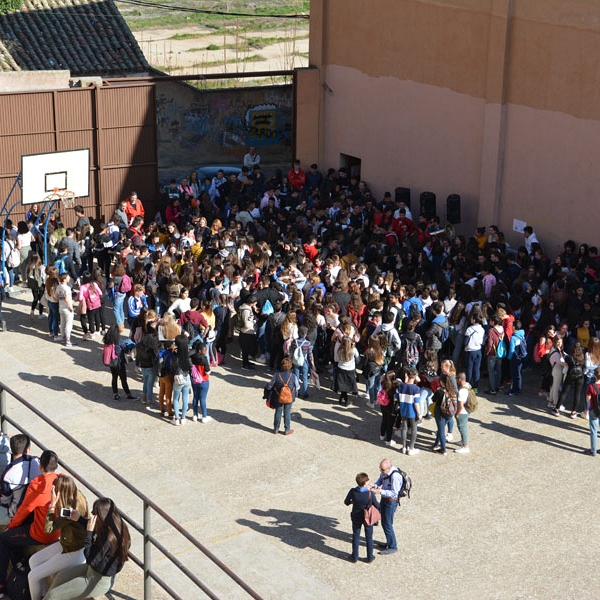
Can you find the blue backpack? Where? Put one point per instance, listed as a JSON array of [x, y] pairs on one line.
[[59, 263]]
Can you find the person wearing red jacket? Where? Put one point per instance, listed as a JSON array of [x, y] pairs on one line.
[[21, 531], [297, 177], [134, 208]]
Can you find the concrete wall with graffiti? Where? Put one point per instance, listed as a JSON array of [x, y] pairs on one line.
[[197, 128]]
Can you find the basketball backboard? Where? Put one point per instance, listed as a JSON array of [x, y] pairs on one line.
[[41, 174]]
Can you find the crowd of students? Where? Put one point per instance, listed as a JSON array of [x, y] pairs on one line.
[[312, 264]]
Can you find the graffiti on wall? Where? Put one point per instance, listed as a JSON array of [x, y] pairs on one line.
[[209, 127]]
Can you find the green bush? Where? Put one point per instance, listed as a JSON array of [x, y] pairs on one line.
[[9, 5]]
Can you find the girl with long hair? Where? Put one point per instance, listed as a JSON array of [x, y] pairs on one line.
[[181, 366], [51, 297], [575, 378], [68, 551], [107, 543], [118, 370], [345, 355], [373, 367], [36, 277]]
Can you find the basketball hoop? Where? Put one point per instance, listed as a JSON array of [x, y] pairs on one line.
[[66, 197]]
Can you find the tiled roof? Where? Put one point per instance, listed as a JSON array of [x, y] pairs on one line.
[[87, 37]]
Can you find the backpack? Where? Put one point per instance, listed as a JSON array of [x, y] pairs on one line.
[[240, 319], [414, 313], [285, 393], [472, 403], [411, 353], [400, 316], [13, 498], [520, 350], [406, 484], [92, 297], [14, 257], [597, 403], [298, 359], [382, 398], [444, 334], [125, 286], [59, 263], [110, 358], [17, 583], [267, 308], [197, 374], [448, 405], [501, 349]]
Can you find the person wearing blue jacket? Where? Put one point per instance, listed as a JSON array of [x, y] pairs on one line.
[[517, 352]]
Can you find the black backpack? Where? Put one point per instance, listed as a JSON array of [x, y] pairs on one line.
[[406, 484]]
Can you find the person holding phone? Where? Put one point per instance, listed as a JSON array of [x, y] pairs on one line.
[[66, 500], [106, 546]]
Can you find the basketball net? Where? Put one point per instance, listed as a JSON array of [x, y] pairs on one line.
[[66, 197]]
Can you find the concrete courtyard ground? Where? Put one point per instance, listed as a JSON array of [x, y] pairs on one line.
[[514, 519]]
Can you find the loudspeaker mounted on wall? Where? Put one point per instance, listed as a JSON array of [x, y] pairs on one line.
[[453, 209], [402, 194], [428, 206]]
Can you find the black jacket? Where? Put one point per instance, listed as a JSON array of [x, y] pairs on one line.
[[360, 500]]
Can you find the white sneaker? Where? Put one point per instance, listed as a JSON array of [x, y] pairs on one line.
[[449, 437], [262, 359], [413, 451], [206, 419], [175, 421], [462, 450], [31, 314], [195, 419], [182, 421], [391, 443], [42, 316], [382, 437]]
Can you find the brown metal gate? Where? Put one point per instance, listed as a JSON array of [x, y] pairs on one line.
[[116, 122]]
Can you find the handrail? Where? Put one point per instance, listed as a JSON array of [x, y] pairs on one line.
[[149, 505]]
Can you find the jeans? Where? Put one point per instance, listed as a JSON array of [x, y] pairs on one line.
[[516, 366], [388, 509], [593, 432], [118, 309], [495, 372], [425, 401], [200, 393], [373, 387], [183, 392], [53, 317], [302, 374], [473, 358], [286, 409], [442, 421], [356, 527], [462, 421], [262, 344], [148, 379]]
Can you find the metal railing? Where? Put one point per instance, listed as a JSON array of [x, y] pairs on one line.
[[148, 507]]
